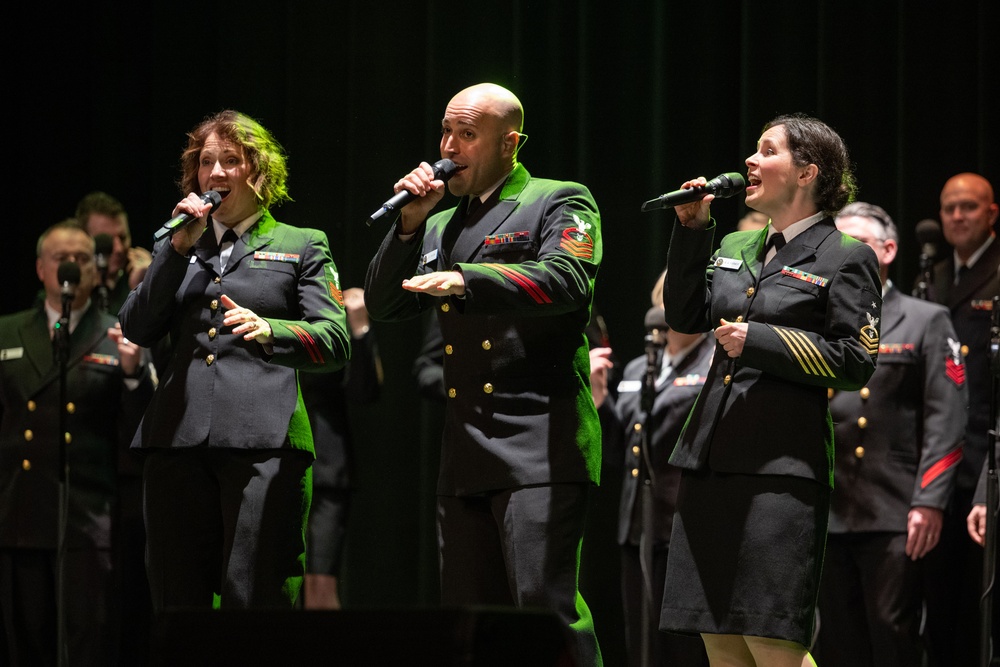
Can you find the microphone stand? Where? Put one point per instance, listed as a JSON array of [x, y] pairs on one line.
[[60, 340], [921, 291], [992, 497], [646, 483]]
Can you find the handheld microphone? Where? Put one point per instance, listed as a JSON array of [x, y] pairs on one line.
[[170, 226], [722, 186], [929, 236], [443, 170]]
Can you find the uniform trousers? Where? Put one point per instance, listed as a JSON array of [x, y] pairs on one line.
[[226, 522], [870, 602], [519, 547], [28, 607]]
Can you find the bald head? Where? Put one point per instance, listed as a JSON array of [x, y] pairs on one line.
[[496, 101], [968, 213]]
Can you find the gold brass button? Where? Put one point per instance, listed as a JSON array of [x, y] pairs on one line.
[[26, 465], [637, 427], [750, 291], [829, 393], [635, 472], [211, 333], [488, 388], [71, 407], [739, 318], [862, 422], [445, 307], [635, 449], [214, 305], [448, 349], [487, 345], [32, 406], [452, 393], [210, 359], [726, 380], [28, 435], [965, 350], [865, 393], [68, 437], [859, 452], [217, 280]]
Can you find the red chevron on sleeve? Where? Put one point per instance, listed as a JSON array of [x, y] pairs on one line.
[[955, 372], [950, 459], [308, 342], [577, 243], [522, 281]]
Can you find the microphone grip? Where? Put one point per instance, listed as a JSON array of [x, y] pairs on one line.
[[174, 224]]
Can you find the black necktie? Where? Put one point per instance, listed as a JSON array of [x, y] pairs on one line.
[[226, 247], [777, 241], [962, 271]]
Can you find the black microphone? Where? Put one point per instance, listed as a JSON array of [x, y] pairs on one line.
[[68, 275], [929, 236], [170, 226], [443, 170], [104, 245], [722, 186]]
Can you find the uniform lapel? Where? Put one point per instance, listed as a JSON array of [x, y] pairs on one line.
[[37, 342], [800, 249], [470, 240], [259, 236]]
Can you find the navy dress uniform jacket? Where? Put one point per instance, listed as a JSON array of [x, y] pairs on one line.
[[971, 306], [217, 388], [899, 439], [662, 426], [516, 367], [102, 418], [813, 316]]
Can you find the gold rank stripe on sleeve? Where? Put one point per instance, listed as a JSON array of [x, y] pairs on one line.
[[522, 281], [805, 352], [308, 342]]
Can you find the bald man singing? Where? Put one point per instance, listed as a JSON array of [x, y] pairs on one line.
[[510, 272]]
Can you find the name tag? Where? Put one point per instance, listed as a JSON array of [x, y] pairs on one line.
[[627, 386], [429, 257], [728, 263], [11, 353]]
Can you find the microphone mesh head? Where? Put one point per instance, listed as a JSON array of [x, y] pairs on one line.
[[444, 169], [928, 231], [68, 272], [103, 244]]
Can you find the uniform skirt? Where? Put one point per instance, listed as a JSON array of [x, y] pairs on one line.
[[746, 554]]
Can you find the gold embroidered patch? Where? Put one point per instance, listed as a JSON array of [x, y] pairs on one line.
[[869, 335]]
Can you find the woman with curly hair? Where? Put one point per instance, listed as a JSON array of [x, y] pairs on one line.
[[246, 302]]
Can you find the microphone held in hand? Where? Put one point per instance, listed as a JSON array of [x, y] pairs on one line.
[[722, 186], [170, 226], [443, 170]]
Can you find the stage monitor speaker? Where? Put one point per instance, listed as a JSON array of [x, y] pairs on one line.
[[460, 637]]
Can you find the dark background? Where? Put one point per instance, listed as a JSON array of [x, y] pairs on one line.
[[630, 98]]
